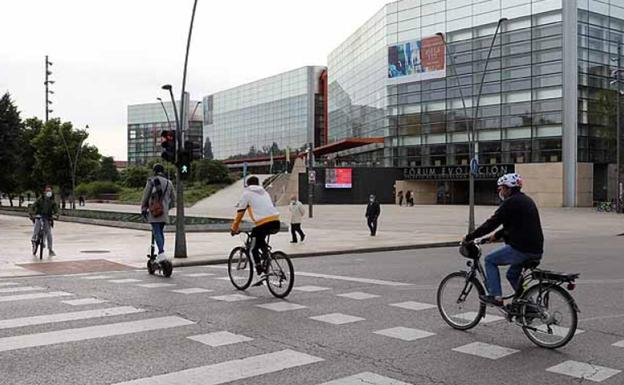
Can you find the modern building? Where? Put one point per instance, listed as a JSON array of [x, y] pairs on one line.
[[405, 87], [147, 121], [267, 120]]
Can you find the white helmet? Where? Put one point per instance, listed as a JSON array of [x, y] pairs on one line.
[[510, 180]]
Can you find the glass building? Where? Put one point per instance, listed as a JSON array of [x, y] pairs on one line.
[[261, 120], [411, 78], [147, 121]]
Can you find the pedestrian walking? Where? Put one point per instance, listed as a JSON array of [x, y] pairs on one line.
[[408, 198], [297, 211], [373, 210], [401, 198], [158, 198], [81, 200]]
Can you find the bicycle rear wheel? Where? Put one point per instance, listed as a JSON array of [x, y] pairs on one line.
[[41, 245], [281, 274], [549, 319], [240, 268], [458, 300]]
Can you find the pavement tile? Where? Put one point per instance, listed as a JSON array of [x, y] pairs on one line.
[[311, 288], [405, 334], [484, 350], [358, 295], [584, 371], [220, 338], [337, 318], [413, 305], [281, 306], [233, 297]]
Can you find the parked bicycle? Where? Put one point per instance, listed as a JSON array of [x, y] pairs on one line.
[[546, 312], [276, 264]]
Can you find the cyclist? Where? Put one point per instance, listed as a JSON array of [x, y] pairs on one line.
[[265, 217], [42, 213], [522, 233], [158, 198]]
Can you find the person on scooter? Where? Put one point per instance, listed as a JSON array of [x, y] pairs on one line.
[[158, 198]]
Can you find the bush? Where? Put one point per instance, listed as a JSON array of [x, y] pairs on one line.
[[210, 172], [94, 189], [136, 176]]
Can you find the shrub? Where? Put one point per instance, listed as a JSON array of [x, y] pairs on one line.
[[211, 172], [94, 189], [136, 176]]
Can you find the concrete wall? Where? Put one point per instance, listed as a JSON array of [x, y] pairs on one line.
[[584, 185], [425, 193], [543, 182]]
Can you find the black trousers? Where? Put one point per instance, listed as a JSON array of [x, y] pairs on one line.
[[259, 236], [295, 228], [372, 225]]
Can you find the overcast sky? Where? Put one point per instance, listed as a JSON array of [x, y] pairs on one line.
[[111, 53]]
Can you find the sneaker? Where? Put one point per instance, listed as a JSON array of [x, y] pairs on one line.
[[161, 257], [302, 238], [294, 241], [260, 279], [51, 254], [491, 300]]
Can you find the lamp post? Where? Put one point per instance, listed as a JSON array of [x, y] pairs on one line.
[[73, 164], [617, 82], [48, 91], [165, 110]]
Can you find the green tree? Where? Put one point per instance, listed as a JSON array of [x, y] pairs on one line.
[[208, 155], [136, 176], [211, 171], [107, 170], [31, 128], [10, 127]]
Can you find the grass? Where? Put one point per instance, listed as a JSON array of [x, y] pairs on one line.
[[193, 193]]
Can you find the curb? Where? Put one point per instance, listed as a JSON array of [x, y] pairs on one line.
[[181, 262]]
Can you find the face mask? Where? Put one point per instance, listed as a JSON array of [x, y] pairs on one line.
[[372, 200], [48, 194], [501, 196]]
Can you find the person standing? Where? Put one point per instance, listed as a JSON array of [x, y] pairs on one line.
[[408, 198], [401, 198], [372, 214], [43, 213], [158, 198], [297, 211]]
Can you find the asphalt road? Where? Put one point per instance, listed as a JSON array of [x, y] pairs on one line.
[[142, 333]]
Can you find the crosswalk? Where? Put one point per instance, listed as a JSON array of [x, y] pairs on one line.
[[92, 318]]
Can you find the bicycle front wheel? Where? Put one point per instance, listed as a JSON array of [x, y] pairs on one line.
[[280, 274], [240, 268], [549, 318], [458, 300]]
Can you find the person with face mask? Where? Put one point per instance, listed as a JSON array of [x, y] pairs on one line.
[[297, 211], [372, 214], [521, 231], [42, 213]]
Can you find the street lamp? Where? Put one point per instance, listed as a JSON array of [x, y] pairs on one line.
[[165, 110], [73, 164], [617, 82]]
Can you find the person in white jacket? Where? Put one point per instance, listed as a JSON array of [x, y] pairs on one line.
[[297, 211]]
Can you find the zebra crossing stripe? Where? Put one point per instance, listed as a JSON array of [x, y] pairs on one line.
[[20, 289], [3, 284], [90, 332], [22, 297], [62, 317], [365, 378], [231, 370]]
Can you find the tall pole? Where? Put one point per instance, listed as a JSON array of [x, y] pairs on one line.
[[618, 196], [311, 181], [48, 91], [165, 110]]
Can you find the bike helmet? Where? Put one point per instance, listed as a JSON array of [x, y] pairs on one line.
[[510, 180]]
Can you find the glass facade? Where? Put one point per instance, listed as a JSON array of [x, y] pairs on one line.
[[265, 116], [147, 121]]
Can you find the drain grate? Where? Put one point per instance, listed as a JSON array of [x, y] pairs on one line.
[[95, 251]]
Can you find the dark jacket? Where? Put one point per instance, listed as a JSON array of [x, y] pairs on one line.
[[44, 206], [522, 228], [373, 210]]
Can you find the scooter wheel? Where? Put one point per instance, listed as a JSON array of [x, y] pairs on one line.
[[150, 268], [167, 268]]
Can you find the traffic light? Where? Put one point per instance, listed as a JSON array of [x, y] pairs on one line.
[[168, 143], [185, 158]]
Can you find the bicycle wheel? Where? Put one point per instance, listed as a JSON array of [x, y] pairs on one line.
[[549, 319], [281, 274], [458, 300], [167, 268], [240, 268], [41, 246], [150, 268]]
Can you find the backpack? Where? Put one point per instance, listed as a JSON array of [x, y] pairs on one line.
[[156, 207]]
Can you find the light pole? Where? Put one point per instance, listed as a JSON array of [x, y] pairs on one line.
[[48, 91], [311, 180], [73, 164], [165, 110], [617, 82]]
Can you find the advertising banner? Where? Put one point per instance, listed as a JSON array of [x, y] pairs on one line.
[[417, 60], [338, 178]]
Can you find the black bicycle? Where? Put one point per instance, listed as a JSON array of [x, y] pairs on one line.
[[276, 264], [545, 311], [39, 243]]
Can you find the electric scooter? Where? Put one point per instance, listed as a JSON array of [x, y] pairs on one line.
[[165, 267]]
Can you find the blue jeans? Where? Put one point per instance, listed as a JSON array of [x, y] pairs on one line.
[[158, 229], [506, 255]]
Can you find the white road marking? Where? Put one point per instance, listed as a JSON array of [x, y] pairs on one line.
[[337, 318], [192, 290], [471, 315], [20, 289], [281, 306], [156, 285], [583, 370], [233, 297], [220, 338], [62, 317], [353, 279], [619, 344], [84, 301], [94, 277], [198, 275], [358, 295], [311, 288], [223, 278], [3, 284], [22, 297], [230, 371], [365, 378], [413, 305], [90, 332], [405, 334], [493, 352], [558, 330], [126, 280]]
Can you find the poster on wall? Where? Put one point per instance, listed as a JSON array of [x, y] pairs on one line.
[[417, 60], [338, 178]]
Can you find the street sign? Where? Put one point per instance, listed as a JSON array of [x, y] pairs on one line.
[[311, 176], [474, 166]]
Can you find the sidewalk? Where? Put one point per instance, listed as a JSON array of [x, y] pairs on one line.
[[334, 229]]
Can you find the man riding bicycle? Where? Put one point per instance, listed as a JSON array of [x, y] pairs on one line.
[[265, 217], [42, 213], [522, 233]]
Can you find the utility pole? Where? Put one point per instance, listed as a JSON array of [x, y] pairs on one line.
[[48, 91], [311, 180], [618, 130]]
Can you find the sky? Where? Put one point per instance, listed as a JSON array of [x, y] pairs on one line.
[[107, 54]]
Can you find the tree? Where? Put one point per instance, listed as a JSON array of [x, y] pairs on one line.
[[108, 170], [10, 126], [208, 155], [136, 176], [31, 128], [211, 171]]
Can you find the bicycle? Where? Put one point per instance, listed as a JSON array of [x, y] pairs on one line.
[[276, 264], [39, 243], [547, 313]]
